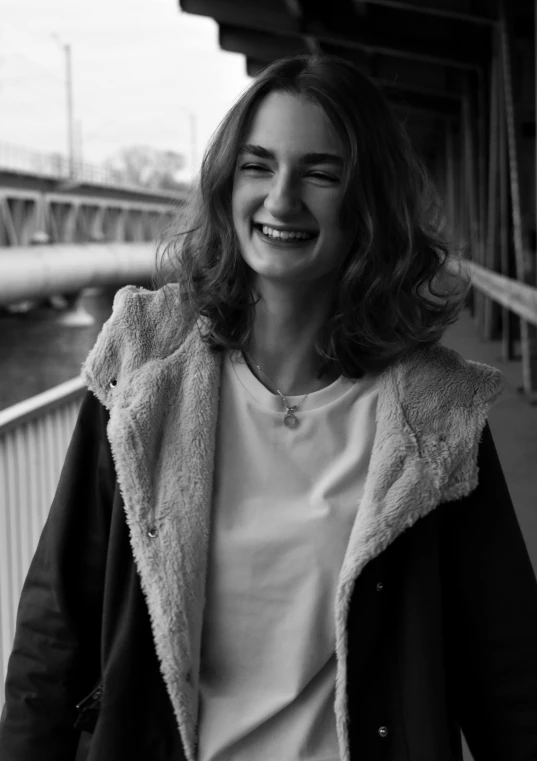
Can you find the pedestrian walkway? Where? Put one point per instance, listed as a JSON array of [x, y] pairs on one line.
[[513, 422]]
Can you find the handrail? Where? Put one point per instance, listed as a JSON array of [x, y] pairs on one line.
[[18, 159], [519, 297], [34, 438], [35, 406]]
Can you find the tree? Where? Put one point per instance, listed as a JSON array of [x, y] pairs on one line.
[[148, 167]]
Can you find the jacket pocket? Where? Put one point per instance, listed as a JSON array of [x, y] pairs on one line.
[[88, 710]]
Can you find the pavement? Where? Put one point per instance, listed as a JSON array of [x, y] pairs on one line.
[[513, 422]]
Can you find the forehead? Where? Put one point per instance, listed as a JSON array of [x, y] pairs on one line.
[[290, 123]]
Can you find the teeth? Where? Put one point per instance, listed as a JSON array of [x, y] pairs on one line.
[[284, 234]]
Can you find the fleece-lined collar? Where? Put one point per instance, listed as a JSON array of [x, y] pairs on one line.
[[160, 383]]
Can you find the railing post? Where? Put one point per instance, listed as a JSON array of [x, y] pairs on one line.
[[469, 208], [508, 318], [450, 193], [490, 254], [528, 332], [481, 190]]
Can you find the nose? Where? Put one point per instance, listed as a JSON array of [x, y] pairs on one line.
[[283, 199]]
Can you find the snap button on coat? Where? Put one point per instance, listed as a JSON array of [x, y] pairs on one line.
[[383, 731], [380, 586]]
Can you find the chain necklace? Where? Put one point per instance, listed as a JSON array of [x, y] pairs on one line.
[[289, 419]]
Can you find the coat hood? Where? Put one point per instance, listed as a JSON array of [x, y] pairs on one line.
[[160, 383]]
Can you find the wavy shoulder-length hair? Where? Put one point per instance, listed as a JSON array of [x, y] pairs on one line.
[[384, 301]]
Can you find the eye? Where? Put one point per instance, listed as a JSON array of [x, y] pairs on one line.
[[322, 176], [254, 168]]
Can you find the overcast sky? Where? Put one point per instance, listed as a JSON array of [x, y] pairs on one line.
[[144, 73]]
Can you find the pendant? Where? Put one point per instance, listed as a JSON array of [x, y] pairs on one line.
[[290, 420]]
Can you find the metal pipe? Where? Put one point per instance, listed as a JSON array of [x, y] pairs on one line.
[[70, 121], [35, 272]]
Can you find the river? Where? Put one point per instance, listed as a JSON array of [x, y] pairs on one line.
[[37, 351]]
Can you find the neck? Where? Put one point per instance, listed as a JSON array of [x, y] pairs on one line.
[[283, 342]]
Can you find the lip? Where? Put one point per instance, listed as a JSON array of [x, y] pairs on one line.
[[279, 243], [285, 228]]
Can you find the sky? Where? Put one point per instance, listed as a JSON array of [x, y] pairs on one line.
[[144, 73]]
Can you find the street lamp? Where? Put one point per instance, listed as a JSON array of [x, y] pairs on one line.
[[69, 93]]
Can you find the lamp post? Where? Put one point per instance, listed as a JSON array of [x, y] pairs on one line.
[[69, 96]]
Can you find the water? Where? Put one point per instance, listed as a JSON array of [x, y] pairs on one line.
[[37, 352]]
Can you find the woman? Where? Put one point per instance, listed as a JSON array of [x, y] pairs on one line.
[[282, 532]]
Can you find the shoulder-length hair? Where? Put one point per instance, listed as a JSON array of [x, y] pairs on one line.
[[384, 301]]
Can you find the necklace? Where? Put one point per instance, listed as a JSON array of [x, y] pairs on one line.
[[289, 419]]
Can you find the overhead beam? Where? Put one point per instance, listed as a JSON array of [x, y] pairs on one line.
[[296, 9], [264, 48], [408, 72], [402, 100], [375, 33], [421, 98], [488, 20]]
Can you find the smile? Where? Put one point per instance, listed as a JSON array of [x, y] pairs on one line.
[[284, 236]]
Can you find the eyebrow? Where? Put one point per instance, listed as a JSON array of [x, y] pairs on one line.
[[307, 159]]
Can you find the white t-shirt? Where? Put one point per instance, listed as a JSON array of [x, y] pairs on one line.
[[284, 504]]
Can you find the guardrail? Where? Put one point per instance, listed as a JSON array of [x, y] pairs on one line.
[[515, 298], [519, 298], [54, 165], [34, 437]]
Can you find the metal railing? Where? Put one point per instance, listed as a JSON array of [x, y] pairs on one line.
[[34, 438], [56, 166], [519, 298]]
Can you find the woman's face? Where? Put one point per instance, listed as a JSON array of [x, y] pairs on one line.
[[288, 192]]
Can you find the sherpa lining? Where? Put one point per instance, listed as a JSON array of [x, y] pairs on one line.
[[431, 411]]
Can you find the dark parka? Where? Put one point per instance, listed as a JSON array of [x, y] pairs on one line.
[[436, 613]]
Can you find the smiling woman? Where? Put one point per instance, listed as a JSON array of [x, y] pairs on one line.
[[280, 483], [313, 204]]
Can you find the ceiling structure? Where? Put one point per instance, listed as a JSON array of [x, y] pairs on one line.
[[424, 54]]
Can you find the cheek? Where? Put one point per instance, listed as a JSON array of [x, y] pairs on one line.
[[332, 219], [235, 198], [326, 206], [237, 212], [242, 203], [240, 218]]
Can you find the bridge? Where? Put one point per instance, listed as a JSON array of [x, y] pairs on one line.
[[462, 76], [43, 197], [65, 226]]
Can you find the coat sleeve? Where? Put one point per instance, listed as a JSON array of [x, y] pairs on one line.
[[55, 658], [490, 603]]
